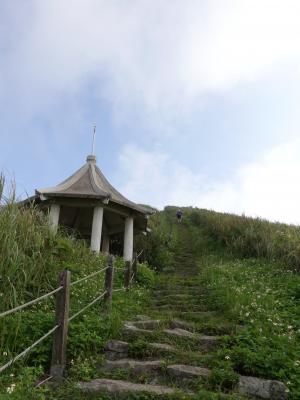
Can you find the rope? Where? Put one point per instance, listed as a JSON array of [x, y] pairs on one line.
[[28, 349], [30, 302], [89, 305], [131, 279], [43, 381], [138, 256], [119, 290], [89, 276]]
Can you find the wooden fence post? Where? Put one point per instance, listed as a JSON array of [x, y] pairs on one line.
[[127, 274], [134, 265], [59, 348], [108, 283]]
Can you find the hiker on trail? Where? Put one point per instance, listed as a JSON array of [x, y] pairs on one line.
[[179, 215]]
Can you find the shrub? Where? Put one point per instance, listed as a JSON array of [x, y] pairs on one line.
[[145, 276], [157, 245]]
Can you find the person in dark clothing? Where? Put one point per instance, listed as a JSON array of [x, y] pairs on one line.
[[179, 215]]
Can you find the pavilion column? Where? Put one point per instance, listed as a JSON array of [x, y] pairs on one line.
[[105, 244], [128, 239], [54, 217], [97, 229]]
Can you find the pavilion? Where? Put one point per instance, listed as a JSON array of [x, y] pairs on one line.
[[89, 204]]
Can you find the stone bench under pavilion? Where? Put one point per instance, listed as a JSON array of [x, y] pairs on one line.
[[89, 204]]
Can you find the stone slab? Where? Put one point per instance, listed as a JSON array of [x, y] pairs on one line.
[[114, 355], [181, 333], [178, 323], [138, 367], [117, 345], [262, 388], [118, 387], [133, 329], [162, 347], [146, 324], [140, 317], [209, 342], [187, 371]]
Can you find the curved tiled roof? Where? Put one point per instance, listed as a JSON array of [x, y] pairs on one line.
[[89, 182]]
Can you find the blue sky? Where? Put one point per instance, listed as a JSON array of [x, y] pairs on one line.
[[196, 102]]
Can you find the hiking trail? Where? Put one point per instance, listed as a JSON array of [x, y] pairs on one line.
[[170, 349]]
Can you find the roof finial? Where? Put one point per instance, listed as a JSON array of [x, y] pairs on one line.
[[94, 138]]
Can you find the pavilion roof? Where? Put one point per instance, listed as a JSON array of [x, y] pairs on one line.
[[89, 182]]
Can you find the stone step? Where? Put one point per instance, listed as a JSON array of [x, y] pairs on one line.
[[179, 307], [118, 387], [150, 324], [116, 350], [181, 333], [199, 313], [162, 347], [262, 388], [178, 323], [177, 301], [117, 345], [179, 296], [138, 367], [209, 342], [176, 288], [187, 372], [189, 314], [131, 329], [140, 317], [182, 291]]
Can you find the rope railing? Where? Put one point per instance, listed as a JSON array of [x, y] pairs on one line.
[[30, 303], [88, 277], [131, 279], [24, 352], [60, 330], [139, 255], [119, 290], [87, 306]]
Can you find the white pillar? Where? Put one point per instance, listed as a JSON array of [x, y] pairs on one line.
[[128, 239], [105, 244], [54, 216], [97, 229]]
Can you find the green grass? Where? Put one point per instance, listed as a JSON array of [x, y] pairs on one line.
[[86, 340], [249, 274], [245, 237], [31, 258], [247, 270], [263, 299]]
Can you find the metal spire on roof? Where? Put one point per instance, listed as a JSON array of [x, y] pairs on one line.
[[94, 138]]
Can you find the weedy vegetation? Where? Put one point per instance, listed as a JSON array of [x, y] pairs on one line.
[[31, 258], [250, 274], [248, 270]]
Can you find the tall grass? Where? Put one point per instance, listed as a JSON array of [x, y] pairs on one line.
[[250, 237], [31, 257]]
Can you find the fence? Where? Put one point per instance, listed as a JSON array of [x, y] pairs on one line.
[[62, 318]]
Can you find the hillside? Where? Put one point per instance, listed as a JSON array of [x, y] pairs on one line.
[[224, 301]]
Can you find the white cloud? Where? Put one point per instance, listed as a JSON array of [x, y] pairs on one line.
[[268, 188], [161, 55]]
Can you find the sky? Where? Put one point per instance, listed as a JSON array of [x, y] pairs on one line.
[[196, 102]]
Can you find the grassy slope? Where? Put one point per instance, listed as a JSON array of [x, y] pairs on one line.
[[260, 294], [256, 302], [31, 258]]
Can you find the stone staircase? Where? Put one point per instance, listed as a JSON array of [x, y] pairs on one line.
[[169, 352]]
